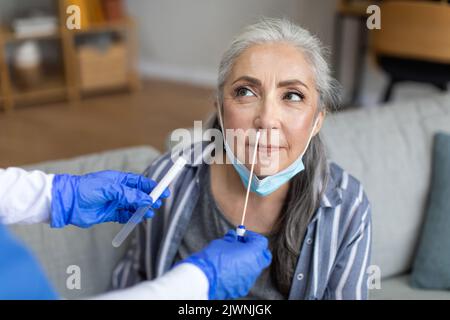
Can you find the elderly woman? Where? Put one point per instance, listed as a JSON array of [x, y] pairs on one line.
[[273, 77]]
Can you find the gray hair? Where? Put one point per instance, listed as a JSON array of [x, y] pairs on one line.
[[306, 187], [269, 30]]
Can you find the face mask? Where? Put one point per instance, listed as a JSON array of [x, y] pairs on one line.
[[269, 184]]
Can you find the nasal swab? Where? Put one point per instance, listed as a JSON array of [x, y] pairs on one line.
[[240, 230], [155, 194]]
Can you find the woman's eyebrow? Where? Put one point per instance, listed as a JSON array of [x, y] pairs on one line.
[[284, 83], [252, 80], [292, 82]]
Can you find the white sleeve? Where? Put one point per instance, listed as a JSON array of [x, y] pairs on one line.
[[25, 197], [184, 282]]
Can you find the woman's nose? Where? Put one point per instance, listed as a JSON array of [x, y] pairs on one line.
[[268, 115]]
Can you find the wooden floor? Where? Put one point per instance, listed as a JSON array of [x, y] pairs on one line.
[[60, 130]]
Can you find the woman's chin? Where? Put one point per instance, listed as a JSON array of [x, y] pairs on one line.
[[267, 170], [269, 163]]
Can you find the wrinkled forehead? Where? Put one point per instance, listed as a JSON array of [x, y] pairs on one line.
[[273, 62]]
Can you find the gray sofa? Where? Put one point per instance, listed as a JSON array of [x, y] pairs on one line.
[[387, 148]]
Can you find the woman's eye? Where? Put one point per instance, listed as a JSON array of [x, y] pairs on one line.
[[293, 96], [244, 92]]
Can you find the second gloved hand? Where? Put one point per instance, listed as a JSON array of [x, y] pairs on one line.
[[231, 266], [106, 196]]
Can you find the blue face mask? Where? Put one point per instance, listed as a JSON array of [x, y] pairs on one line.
[[269, 184]]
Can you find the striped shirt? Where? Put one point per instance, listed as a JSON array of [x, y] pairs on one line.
[[333, 257]]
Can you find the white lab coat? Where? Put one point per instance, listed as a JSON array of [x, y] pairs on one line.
[[25, 198]]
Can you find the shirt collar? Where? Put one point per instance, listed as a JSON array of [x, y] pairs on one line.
[[332, 196]]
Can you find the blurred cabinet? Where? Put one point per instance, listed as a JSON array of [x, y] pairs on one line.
[[101, 69], [79, 65]]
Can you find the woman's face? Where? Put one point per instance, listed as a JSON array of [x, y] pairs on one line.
[[271, 87]]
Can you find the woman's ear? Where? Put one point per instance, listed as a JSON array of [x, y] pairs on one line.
[[319, 122]]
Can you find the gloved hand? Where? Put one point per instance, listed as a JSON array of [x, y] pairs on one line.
[[231, 266], [106, 196]]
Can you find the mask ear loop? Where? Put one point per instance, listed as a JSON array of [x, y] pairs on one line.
[[219, 113], [310, 136]]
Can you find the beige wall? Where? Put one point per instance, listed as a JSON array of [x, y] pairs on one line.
[[184, 39]]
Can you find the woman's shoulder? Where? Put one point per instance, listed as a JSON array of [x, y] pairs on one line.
[[344, 180], [350, 211], [351, 193]]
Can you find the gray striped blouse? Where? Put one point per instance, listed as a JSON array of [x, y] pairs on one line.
[[333, 258]]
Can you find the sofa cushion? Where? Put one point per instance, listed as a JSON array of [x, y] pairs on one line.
[[431, 267], [132, 159], [89, 249], [389, 150], [399, 288]]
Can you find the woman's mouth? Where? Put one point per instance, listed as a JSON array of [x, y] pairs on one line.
[[265, 149]]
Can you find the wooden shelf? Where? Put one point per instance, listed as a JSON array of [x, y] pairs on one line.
[[66, 82], [105, 26], [50, 86], [9, 36]]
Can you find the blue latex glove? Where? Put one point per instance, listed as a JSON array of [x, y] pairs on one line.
[[231, 266], [106, 196]]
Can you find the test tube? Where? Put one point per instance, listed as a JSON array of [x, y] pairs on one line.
[[155, 194]]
